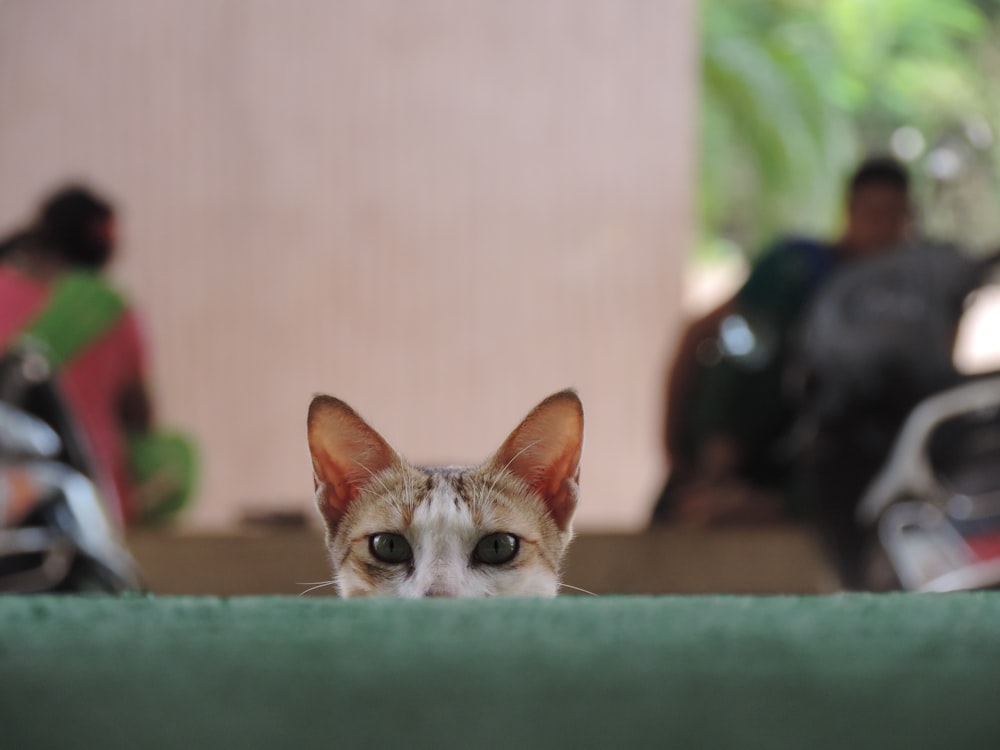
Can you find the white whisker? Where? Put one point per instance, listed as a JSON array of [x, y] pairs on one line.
[[315, 585], [374, 476], [486, 496], [577, 588], [407, 486]]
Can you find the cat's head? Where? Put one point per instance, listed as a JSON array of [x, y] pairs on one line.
[[497, 529]]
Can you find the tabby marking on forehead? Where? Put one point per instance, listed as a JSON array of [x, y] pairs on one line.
[[499, 528]]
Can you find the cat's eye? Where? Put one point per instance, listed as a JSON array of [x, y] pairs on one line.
[[390, 548], [496, 549]]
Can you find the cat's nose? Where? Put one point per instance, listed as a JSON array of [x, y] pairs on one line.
[[439, 591]]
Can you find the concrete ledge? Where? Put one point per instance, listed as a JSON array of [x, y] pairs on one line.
[[739, 561]]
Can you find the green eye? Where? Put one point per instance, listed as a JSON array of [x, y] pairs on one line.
[[390, 548], [496, 549]]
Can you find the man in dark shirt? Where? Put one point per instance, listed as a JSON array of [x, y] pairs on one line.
[[725, 416]]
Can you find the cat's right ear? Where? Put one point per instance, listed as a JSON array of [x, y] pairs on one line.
[[346, 455], [544, 452]]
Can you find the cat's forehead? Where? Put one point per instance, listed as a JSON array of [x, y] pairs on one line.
[[444, 475], [409, 495], [474, 484], [403, 490], [486, 496], [462, 480]]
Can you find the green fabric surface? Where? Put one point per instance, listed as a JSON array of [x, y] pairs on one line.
[[851, 671]]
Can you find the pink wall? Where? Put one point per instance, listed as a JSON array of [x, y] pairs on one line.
[[440, 211]]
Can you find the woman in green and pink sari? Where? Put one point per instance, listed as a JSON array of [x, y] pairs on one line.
[[52, 293]]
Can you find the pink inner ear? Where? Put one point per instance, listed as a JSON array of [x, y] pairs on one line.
[[544, 451], [346, 454]]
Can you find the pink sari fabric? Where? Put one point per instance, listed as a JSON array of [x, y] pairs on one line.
[[92, 382]]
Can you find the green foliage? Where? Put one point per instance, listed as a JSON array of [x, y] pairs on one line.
[[796, 91]]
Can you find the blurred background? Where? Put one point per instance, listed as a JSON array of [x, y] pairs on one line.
[[442, 211], [793, 93]]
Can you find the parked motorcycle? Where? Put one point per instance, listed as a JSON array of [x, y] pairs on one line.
[[901, 451], [55, 532]]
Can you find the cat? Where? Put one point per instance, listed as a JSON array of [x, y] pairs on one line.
[[497, 529]]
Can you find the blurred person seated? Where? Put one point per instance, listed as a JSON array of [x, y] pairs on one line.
[[54, 297], [726, 416]]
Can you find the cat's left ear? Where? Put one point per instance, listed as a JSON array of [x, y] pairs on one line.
[[346, 455], [544, 451]]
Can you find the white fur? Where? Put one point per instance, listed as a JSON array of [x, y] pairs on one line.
[[443, 536]]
